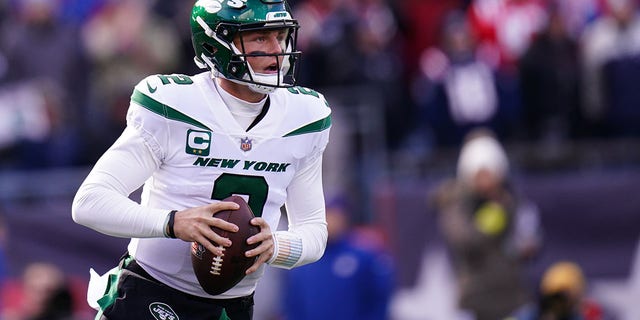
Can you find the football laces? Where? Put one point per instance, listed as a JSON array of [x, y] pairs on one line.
[[216, 263]]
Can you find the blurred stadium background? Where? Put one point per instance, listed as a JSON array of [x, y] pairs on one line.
[[557, 80]]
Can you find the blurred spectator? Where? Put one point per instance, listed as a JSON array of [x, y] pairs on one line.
[[491, 231], [610, 55], [456, 91], [353, 280], [577, 14], [126, 41], [378, 44], [356, 46], [41, 48], [505, 28], [30, 119], [78, 11], [46, 295], [328, 38], [175, 13], [348, 42], [550, 83], [421, 26], [562, 296], [378, 58]]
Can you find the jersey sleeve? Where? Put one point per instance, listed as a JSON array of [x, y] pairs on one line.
[[144, 115], [306, 237], [102, 201]]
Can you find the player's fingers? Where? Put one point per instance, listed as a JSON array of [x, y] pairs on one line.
[[221, 206], [264, 234], [265, 246], [215, 248], [254, 267], [219, 223], [213, 236], [261, 260], [260, 222], [260, 237], [222, 224]]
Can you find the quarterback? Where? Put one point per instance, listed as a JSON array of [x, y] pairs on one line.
[[242, 127]]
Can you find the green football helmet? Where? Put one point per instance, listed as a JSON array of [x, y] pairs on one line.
[[215, 24]]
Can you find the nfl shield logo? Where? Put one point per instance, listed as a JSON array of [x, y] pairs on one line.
[[197, 250], [245, 144]]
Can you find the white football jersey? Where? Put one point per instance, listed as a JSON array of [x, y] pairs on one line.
[[205, 155]]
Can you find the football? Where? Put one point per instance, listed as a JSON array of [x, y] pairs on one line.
[[217, 274]]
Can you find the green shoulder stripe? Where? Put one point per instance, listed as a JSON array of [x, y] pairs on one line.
[[316, 126], [164, 110]]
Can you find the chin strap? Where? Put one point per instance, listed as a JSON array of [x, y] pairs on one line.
[[260, 88]]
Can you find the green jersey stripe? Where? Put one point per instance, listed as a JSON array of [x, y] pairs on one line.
[[164, 110], [316, 126]]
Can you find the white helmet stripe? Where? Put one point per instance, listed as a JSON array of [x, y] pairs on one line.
[[209, 32]]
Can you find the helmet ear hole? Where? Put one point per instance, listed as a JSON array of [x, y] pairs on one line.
[[211, 50]]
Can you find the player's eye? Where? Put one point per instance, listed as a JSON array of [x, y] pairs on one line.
[[282, 34]]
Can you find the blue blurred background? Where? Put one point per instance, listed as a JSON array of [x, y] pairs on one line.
[[556, 80]]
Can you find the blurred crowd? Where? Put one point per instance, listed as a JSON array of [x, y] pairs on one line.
[[545, 71], [532, 70], [529, 71]]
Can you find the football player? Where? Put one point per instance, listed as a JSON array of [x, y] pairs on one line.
[[241, 127]]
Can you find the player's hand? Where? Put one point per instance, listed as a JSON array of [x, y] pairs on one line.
[[264, 251], [194, 224]]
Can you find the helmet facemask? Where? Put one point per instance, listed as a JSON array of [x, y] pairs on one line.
[[282, 74], [218, 53]]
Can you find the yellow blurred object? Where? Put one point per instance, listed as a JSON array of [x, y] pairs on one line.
[[491, 218], [563, 277]]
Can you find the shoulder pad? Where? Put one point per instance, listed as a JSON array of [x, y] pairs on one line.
[[152, 84], [306, 93]]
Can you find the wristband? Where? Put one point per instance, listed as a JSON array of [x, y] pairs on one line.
[[172, 217], [287, 250]]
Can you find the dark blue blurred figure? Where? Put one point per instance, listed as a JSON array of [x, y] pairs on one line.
[[45, 56], [550, 84], [610, 51], [79, 11], [353, 280], [458, 90]]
